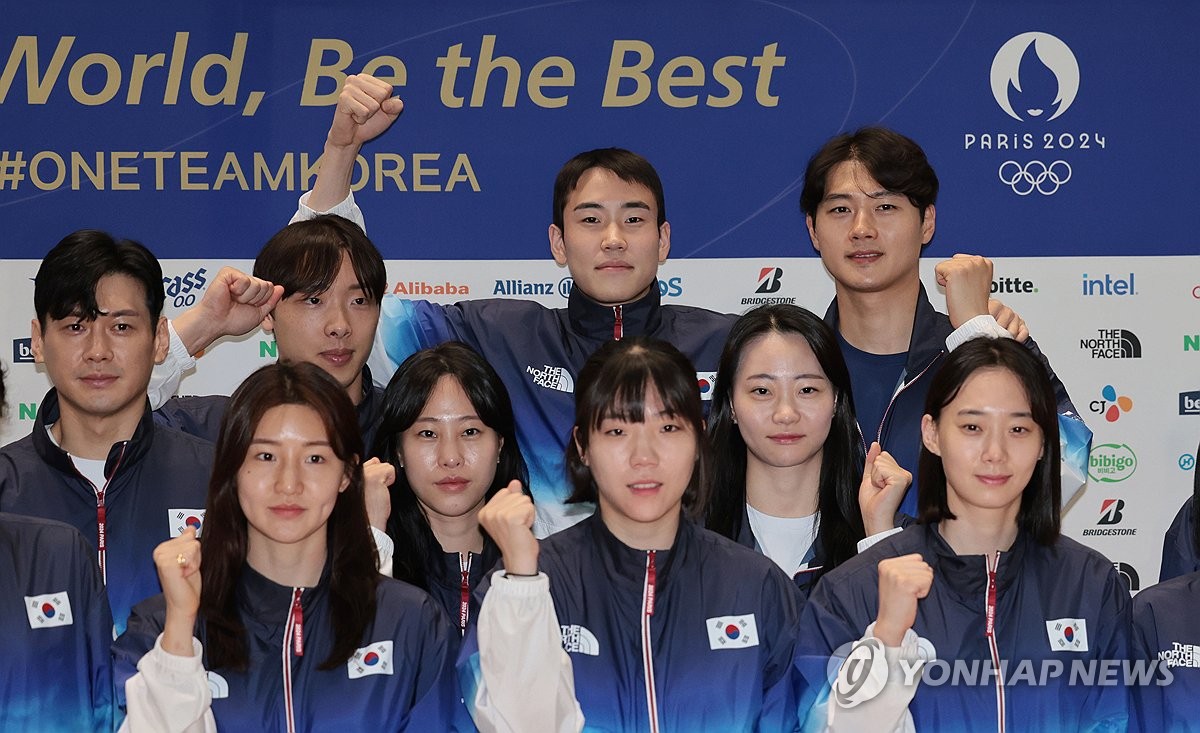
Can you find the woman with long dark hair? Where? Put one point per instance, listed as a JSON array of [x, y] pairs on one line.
[[653, 621], [447, 428], [789, 479], [281, 611], [983, 591]]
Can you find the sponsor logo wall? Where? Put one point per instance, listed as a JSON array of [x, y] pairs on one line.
[[1028, 115]]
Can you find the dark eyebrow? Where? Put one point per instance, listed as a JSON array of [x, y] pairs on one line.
[[873, 195], [985, 412], [626, 205], [272, 441], [787, 376]]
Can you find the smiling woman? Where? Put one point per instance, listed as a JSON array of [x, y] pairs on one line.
[[639, 619], [286, 566]]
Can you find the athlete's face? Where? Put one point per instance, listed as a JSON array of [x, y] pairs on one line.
[[641, 470], [333, 329], [869, 238], [610, 240], [988, 442]]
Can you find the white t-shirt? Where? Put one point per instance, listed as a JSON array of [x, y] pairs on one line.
[[786, 540]]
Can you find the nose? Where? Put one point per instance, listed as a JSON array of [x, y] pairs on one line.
[[287, 477], [338, 325], [785, 411], [614, 238], [645, 448], [449, 453], [99, 347], [864, 224], [994, 449]]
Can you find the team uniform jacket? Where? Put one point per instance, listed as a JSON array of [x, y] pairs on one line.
[[900, 431], [157, 487], [1062, 604], [1179, 546], [201, 415], [696, 638], [55, 671], [538, 352], [1165, 630], [452, 582], [804, 579], [402, 678]]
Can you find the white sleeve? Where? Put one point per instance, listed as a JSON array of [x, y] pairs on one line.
[[869, 540], [527, 681], [346, 208], [169, 694], [384, 549], [878, 700], [164, 380], [979, 326]]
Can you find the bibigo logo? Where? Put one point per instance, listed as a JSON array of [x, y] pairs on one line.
[[1024, 101], [1111, 462]]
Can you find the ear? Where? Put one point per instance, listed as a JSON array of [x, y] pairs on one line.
[[499, 448], [578, 446], [664, 241], [929, 435], [268, 323], [558, 246], [162, 340], [346, 476], [929, 224], [812, 232], [35, 341]]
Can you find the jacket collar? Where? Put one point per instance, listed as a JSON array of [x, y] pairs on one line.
[[369, 410], [269, 602], [596, 321], [121, 455], [966, 576], [929, 332], [625, 566]]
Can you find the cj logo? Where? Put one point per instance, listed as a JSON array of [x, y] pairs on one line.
[[1034, 75]]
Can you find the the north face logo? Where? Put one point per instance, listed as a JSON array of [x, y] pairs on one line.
[[552, 377]]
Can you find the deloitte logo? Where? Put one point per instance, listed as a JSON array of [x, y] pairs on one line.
[[1022, 63], [1111, 463], [1007, 285]]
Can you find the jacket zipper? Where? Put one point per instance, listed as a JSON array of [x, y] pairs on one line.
[[993, 563], [102, 514], [618, 324], [903, 386], [464, 602], [648, 590], [293, 641]]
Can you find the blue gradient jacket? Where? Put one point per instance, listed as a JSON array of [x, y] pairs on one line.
[[712, 654], [55, 672], [538, 352], [1179, 556], [402, 678], [1033, 593], [1165, 630], [157, 486], [899, 433]]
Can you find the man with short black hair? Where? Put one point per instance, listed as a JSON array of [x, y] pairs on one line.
[[95, 459]]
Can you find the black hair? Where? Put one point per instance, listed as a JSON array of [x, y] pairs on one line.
[[613, 384], [305, 257], [417, 549], [1040, 511], [66, 281], [629, 167], [353, 573], [841, 523]]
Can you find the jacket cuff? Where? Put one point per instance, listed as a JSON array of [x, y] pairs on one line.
[[979, 326]]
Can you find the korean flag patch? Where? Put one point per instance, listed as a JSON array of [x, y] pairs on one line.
[[732, 632], [1067, 634], [51, 609], [180, 519], [371, 659], [706, 382]]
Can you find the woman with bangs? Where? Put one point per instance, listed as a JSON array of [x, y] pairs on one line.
[[983, 590], [280, 620], [447, 427], [790, 481], [637, 618]]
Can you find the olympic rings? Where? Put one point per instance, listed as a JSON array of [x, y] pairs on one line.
[[1034, 176]]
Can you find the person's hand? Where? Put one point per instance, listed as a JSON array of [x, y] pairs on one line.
[[1009, 320], [968, 283], [881, 491], [178, 564], [508, 518], [377, 477], [902, 582], [232, 305], [365, 108]]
